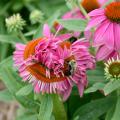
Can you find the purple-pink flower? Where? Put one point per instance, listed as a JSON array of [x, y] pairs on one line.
[[53, 64], [107, 33]]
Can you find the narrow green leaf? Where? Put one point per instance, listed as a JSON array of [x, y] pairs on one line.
[[94, 109], [111, 86], [3, 51], [46, 108], [116, 115], [95, 87], [5, 96], [6, 62], [9, 39], [26, 90], [74, 24]]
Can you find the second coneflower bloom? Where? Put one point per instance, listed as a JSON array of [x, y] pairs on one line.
[[54, 65], [107, 22]]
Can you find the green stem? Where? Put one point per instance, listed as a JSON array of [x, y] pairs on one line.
[[83, 10], [58, 108], [20, 34]]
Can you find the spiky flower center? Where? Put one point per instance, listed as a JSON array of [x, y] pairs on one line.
[[90, 5], [112, 11], [39, 70], [114, 69]]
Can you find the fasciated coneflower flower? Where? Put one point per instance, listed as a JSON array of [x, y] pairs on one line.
[[53, 64], [112, 69], [107, 22]]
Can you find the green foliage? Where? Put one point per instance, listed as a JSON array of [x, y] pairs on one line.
[[94, 109], [74, 24], [5, 96], [111, 86], [25, 90]]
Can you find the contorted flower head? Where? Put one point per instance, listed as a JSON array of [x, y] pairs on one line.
[[53, 64]]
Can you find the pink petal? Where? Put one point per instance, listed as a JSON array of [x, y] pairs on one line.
[[103, 52], [98, 37], [46, 30], [64, 36], [117, 36], [109, 36], [95, 21], [96, 12], [80, 89], [66, 93]]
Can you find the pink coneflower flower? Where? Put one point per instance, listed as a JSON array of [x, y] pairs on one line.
[[107, 31], [54, 65]]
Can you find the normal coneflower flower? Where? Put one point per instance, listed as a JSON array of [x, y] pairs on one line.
[[107, 27], [15, 23], [90, 5], [112, 69], [53, 64]]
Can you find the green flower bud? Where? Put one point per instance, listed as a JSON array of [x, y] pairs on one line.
[[15, 23], [36, 16]]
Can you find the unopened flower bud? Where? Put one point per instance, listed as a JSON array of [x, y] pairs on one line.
[[15, 23], [36, 16]]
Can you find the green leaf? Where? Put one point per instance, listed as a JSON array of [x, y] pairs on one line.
[[27, 117], [5, 96], [13, 83], [96, 75], [6, 62], [95, 87], [110, 113], [74, 24], [46, 108], [94, 109], [116, 115], [3, 50], [9, 39], [24, 91], [111, 86]]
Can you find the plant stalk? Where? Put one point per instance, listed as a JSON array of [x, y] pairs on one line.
[[21, 36], [58, 108], [83, 10]]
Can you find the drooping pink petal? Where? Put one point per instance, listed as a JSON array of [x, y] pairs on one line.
[[95, 21], [96, 12], [99, 33], [103, 52], [80, 89], [117, 36], [109, 37]]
